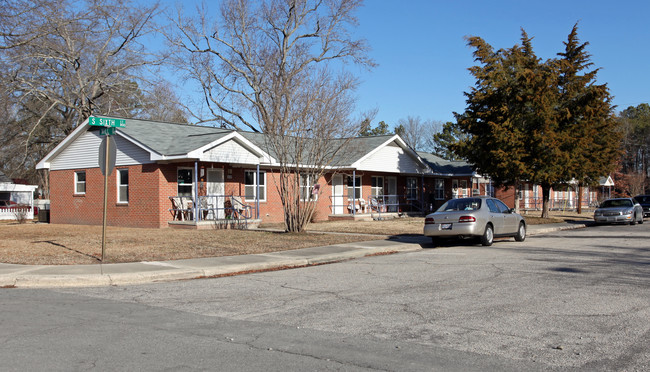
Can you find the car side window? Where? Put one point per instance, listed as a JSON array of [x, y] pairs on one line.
[[492, 206], [502, 207]]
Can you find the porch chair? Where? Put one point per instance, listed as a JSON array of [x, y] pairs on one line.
[[176, 209], [376, 206], [239, 207], [363, 205], [206, 207], [186, 208]]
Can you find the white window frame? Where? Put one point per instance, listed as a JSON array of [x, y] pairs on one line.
[[191, 184], [412, 188], [377, 191], [77, 183], [357, 186], [120, 186], [439, 189], [262, 186], [308, 187]]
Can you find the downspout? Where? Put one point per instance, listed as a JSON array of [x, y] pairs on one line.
[[257, 194], [196, 191]]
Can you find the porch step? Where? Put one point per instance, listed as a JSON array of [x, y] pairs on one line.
[[215, 224]]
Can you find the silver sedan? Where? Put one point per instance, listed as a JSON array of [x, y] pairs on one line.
[[476, 217], [619, 210]]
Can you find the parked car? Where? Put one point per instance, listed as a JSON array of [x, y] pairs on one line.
[[644, 200], [619, 210], [481, 217]]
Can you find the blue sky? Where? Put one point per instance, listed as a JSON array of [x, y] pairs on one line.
[[423, 58]]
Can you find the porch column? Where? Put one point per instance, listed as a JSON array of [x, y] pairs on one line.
[[422, 208], [196, 191], [257, 194], [354, 192]]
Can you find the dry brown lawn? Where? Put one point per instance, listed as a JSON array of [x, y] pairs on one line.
[[45, 244]]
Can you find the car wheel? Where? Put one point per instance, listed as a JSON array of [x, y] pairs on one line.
[[641, 221], [488, 236], [521, 233], [633, 222]]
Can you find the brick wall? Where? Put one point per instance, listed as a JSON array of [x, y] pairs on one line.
[[142, 210]]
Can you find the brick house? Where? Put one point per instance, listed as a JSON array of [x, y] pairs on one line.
[[170, 174]]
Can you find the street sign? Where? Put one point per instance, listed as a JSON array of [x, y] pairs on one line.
[[111, 153], [106, 122], [107, 131]]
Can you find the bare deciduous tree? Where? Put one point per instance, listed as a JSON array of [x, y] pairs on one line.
[[417, 133], [62, 61], [268, 66]]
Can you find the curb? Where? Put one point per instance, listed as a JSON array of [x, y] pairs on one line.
[[157, 271], [45, 276]]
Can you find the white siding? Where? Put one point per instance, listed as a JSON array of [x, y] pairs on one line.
[[391, 159], [84, 153], [230, 152]]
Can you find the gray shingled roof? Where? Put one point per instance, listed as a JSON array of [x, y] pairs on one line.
[[170, 138], [177, 139], [442, 166]]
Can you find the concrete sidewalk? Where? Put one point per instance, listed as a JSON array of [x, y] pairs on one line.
[[43, 276]]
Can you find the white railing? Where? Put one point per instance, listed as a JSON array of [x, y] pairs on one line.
[[16, 213]]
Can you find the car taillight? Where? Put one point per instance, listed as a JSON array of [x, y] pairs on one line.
[[467, 219], [428, 221]]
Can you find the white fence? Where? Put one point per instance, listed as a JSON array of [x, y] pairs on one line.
[[15, 213]]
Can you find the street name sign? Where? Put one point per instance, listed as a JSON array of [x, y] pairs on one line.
[[107, 131], [106, 122]]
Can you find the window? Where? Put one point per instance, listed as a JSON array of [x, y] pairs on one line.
[[411, 188], [492, 206], [377, 187], [122, 185], [250, 185], [185, 181], [502, 207], [79, 182], [440, 190], [308, 188], [354, 187]]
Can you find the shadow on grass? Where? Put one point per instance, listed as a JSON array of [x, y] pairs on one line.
[[70, 249]]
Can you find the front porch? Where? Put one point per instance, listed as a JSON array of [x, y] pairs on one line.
[[213, 212]]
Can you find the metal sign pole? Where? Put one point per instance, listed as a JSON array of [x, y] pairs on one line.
[[108, 141]]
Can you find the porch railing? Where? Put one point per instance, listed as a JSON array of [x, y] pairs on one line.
[[227, 207], [16, 213], [374, 204]]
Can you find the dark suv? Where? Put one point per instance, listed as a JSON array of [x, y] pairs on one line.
[[644, 200]]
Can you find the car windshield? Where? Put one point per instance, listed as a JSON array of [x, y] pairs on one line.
[[642, 199], [470, 204], [614, 203]]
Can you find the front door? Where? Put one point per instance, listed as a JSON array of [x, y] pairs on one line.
[[391, 192], [215, 192], [337, 194]]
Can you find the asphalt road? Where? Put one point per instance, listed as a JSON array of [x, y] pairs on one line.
[[569, 300]]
